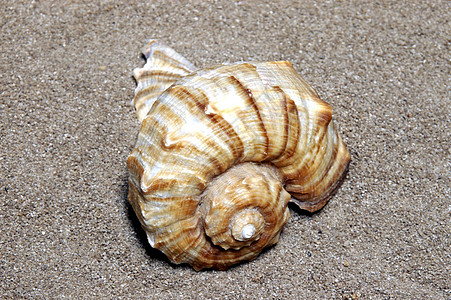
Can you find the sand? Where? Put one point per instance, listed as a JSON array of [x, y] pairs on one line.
[[67, 128]]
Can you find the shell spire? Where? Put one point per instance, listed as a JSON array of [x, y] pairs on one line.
[[221, 153]]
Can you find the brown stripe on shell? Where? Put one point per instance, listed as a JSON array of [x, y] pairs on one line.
[[289, 109], [309, 143], [159, 76], [195, 98], [286, 122], [270, 103], [250, 100], [326, 161], [320, 143], [307, 163], [135, 168], [233, 138], [312, 204]]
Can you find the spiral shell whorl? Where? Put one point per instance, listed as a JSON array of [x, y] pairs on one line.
[[215, 150], [245, 202], [247, 225]]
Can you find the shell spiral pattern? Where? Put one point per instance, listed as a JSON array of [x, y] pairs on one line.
[[221, 153]]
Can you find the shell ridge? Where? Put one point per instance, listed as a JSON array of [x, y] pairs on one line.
[[232, 109], [324, 159], [246, 87], [254, 105], [287, 156]]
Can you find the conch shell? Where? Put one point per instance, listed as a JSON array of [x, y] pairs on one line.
[[221, 153]]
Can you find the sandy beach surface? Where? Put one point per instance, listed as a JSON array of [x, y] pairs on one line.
[[67, 127]]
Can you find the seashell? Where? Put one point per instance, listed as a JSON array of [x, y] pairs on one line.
[[221, 153]]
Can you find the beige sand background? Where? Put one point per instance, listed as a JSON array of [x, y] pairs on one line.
[[67, 129]]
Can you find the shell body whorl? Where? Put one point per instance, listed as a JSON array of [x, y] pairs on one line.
[[220, 149]]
